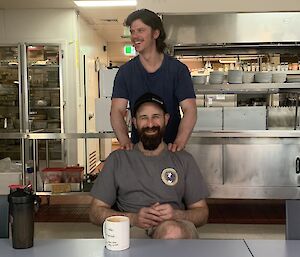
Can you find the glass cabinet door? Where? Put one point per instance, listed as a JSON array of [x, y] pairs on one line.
[[44, 95], [10, 107], [30, 97], [43, 88]]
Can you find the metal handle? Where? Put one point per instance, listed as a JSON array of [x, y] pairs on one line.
[[298, 165]]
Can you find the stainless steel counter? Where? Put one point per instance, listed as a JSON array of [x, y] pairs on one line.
[[138, 248], [274, 248], [55, 135], [153, 248], [195, 134], [249, 164]]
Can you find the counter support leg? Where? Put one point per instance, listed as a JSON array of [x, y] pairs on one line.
[[4, 231], [292, 229]]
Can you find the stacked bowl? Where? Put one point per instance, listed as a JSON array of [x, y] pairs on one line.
[[216, 77], [235, 76], [278, 77], [198, 81], [248, 77], [263, 77], [293, 79]]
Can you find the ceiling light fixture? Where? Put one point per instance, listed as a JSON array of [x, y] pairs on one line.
[[105, 3]]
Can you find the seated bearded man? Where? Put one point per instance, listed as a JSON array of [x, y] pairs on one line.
[[162, 192]]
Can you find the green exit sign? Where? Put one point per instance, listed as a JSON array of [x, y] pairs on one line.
[[129, 50]]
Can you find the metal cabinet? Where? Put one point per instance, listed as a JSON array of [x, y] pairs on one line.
[[31, 96], [44, 107], [209, 158], [261, 164], [10, 100]]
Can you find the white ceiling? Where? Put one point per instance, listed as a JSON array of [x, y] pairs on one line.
[[107, 21]]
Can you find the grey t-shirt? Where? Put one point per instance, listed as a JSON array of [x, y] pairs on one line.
[[130, 180]]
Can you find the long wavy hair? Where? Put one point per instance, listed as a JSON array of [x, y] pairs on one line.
[[152, 20]]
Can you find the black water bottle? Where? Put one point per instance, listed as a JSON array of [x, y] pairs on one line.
[[21, 210]]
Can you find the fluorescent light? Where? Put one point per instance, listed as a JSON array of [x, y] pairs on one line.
[[105, 3]]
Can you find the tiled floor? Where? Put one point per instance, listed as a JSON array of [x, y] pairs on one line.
[[45, 230], [221, 211], [229, 219]]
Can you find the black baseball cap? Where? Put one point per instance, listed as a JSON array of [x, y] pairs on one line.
[[148, 98]]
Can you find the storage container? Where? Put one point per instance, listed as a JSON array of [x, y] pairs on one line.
[[52, 175], [61, 180], [73, 174]]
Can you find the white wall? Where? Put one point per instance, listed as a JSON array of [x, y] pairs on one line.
[[90, 46], [214, 6], [116, 54], [37, 25]]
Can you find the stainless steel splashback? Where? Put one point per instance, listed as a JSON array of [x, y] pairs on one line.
[[232, 28]]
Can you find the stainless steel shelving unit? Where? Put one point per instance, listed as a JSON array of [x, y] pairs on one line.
[[31, 95], [35, 139], [268, 88], [260, 139]]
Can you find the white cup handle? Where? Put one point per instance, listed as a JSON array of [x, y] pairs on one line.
[[103, 229]]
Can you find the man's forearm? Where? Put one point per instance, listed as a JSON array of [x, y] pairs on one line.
[[99, 214], [120, 128], [198, 216], [185, 128], [187, 122]]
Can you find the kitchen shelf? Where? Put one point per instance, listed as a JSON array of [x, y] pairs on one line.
[[54, 130], [9, 67], [48, 193], [43, 66], [45, 88], [47, 130], [290, 72], [45, 107], [272, 88], [37, 131], [8, 106], [9, 130]]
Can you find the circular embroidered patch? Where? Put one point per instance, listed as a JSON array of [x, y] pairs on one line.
[[169, 176]]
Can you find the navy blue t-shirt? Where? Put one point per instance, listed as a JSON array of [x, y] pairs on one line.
[[172, 82]]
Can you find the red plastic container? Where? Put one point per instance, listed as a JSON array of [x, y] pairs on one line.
[[52, 175], [73, 174]]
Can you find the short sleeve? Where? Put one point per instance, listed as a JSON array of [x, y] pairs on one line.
[[120, 88], [104, 187]]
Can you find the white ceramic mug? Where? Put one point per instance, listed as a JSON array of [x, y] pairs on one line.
[[116, 233]]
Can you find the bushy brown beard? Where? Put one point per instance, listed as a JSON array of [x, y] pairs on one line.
[[151, 142]]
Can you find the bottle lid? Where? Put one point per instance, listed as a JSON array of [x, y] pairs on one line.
[[21, 195]]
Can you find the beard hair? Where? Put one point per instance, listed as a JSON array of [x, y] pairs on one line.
[[151, 142]]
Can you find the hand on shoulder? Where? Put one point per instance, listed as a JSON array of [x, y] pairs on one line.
[[175, 147], [127, 146]]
